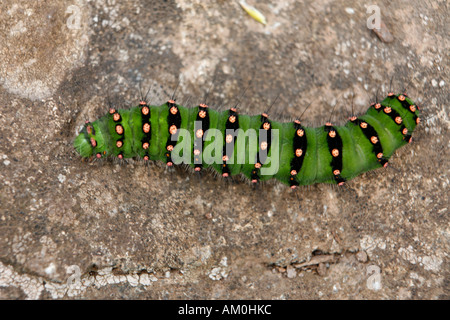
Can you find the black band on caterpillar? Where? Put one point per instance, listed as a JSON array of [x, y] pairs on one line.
[[173, 124], [264, 146], [299, 148], [203, 119], [146, 129], [335, 148], [231, 127]]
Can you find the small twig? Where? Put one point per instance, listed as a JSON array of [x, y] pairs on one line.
[[316, 260], [383, 33]]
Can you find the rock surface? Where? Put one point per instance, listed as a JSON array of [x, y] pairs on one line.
[[76, 229]]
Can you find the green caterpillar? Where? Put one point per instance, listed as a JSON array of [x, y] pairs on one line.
[[255, 146]]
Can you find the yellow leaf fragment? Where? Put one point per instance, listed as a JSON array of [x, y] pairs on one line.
[[254, 13]]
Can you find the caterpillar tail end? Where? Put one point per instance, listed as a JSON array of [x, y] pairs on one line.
[[82, 145]]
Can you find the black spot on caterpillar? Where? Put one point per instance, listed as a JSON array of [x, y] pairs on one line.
[[255, 146]]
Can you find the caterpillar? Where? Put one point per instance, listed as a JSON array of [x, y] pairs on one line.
[[255, 146]]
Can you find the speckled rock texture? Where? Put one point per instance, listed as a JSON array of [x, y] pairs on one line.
[[74, 229]]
